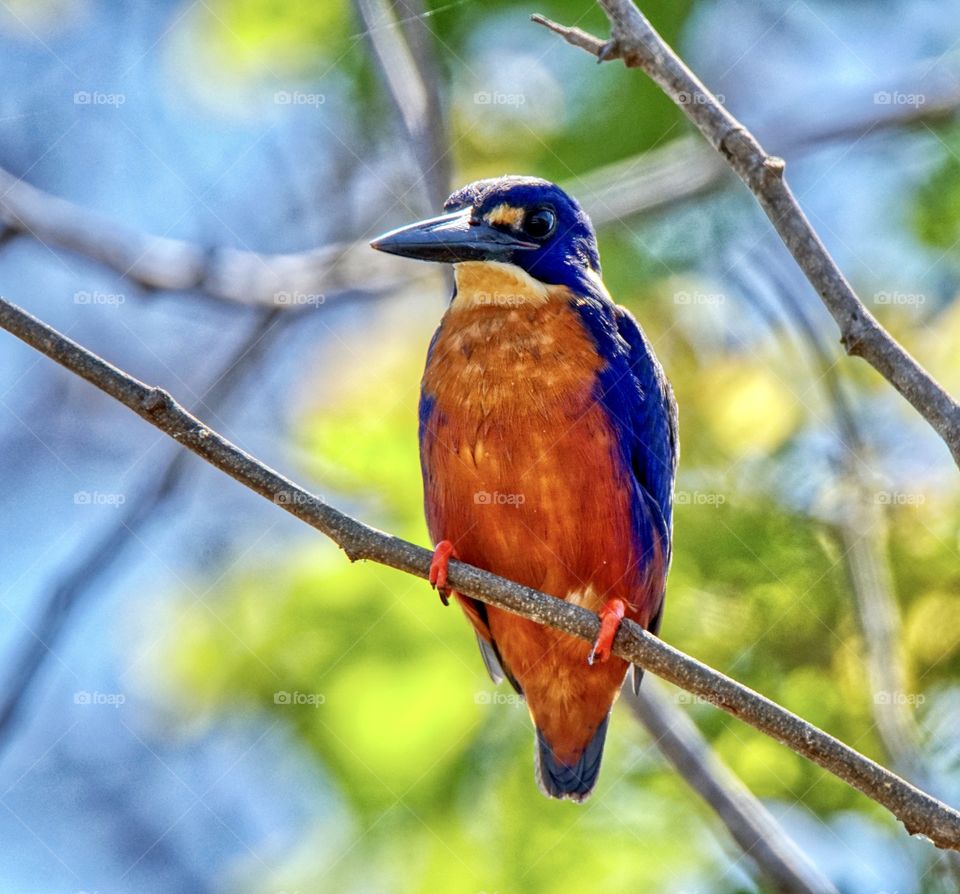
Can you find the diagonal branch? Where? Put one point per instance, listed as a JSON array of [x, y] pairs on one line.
[[402, 44], [861, 533], [749, 823], [285, 281], [637, 43], [919, 812]]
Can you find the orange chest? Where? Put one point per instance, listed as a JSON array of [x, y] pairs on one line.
[[522, 470], [494, 365]]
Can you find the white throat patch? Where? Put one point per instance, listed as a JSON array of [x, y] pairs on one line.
[[497, 284]]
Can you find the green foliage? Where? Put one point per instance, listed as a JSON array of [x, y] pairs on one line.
[[273, 35], [936, 212]]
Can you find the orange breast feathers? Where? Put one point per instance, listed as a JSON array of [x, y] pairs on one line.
[[523, 474]]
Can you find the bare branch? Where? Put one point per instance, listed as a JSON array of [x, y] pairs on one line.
[[401, 42], [155, 262], [749, 823], [637, 43], [576, 37], [919, 812]]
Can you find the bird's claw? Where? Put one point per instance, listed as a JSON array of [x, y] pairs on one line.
[[438, 569], [611, 615]]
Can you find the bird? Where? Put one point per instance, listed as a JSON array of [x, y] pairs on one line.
[[548, 447]]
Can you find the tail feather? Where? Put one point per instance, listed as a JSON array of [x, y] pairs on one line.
[[558, 780]]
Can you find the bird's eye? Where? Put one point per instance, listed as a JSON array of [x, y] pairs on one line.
[[540, 223]]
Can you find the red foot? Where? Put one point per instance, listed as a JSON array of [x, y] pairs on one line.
[[610, 617], [438, 569]]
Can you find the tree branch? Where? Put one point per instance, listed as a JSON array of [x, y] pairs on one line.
[[919, 812], [749, 823], [862, 537], [638, 45], [647, 182], [401, 43], [285, 281]]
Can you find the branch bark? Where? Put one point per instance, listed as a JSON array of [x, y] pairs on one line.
[[919, 812], [284, 281], [749, 823], [638, 45]]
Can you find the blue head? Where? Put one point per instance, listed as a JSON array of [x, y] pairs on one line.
[[524, 221]]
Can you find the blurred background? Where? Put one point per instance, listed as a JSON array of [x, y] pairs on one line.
[[199, 694]]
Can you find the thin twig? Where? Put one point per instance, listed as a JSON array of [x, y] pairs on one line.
[[401, 41], [749, 823], [285, 281], [638, 45], [919, 812]]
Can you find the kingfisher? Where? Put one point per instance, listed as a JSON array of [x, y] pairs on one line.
[[548, 448]]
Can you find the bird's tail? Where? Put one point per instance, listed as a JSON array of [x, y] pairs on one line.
[[573, 781]]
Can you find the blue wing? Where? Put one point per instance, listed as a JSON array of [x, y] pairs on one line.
[[648, 419], [639, 401]]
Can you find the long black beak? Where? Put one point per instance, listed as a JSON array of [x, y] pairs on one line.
[[451, 238]]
